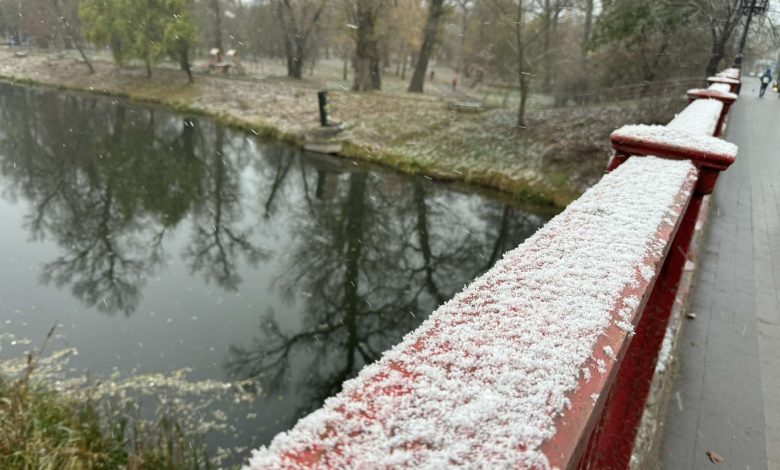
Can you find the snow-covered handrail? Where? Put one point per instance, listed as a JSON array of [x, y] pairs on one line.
[[733, 83], [732, 73], [724, 96], [493, 375], [670, 142], [699, 117], [719, 92], [692, 135], [545, 361], [721, 87]]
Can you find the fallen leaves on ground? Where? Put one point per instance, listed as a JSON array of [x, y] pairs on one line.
[[714, 457]]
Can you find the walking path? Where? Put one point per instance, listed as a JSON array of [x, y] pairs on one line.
[[727, 396]]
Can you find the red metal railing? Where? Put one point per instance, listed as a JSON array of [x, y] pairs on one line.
[[613, 438], [545, 361]]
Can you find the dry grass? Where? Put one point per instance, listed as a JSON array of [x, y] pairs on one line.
[[42, 429]]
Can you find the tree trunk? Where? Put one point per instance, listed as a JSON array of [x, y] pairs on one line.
[[522, 74], [403, 66], [184, 62], [297, 61], [386, 63], [722, 28], [217, 24], [116, 50], [295, 67], [296, 34], [367, 51], [718, 51], [546, 26], [376, 74], [464, 27], [435, 12], [345, 67], [73, 38], [587, 30], [148, 64], [424, 238]]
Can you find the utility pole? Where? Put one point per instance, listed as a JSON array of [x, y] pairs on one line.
[[749, 9]]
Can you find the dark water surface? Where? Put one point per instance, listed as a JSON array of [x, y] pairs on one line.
[[243, 279]]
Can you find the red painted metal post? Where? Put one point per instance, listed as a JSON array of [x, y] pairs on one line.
[[613, 439], [618, 159], [710, 163]]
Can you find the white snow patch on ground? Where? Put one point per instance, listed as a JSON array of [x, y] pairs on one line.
[[677, 138], [481, 381], [699, 117]]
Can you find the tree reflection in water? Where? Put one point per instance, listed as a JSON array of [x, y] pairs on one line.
[[369, 268], [106, 183], [356, 257], [216, 242]]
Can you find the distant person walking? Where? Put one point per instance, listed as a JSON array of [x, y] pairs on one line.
[[455, 83], [766, 79]]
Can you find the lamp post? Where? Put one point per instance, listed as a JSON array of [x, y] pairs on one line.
[[749, 8]]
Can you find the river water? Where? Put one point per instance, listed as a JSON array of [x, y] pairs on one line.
[[240, 280]]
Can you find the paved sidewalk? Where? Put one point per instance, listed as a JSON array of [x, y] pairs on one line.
[[726, 398]]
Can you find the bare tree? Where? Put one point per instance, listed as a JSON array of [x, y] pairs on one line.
[[298, 19], [722, 16], [551, 11]]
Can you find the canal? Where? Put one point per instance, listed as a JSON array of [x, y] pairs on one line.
[[190, 265]]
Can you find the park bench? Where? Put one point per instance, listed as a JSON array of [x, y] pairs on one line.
[[466, 106]]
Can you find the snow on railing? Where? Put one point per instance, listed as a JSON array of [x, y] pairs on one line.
[[719, 93], [545, 361], [733, 83], [699, 117], [721, 87], [674, 141]]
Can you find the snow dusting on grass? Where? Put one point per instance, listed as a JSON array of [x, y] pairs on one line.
[[481, 382]]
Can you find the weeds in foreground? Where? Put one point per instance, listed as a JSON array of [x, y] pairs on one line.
[[43, 429]]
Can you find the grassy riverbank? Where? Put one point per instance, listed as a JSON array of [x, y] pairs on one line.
[[47, 429], [550, 163]]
